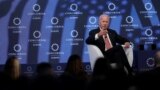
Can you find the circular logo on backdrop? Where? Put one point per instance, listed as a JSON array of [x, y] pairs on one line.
[[17, 47], [129, 19], [111, 6], [29, 68], [16, 21], [54, 20], [59, 68], [55, 47], [88, 67], [74, 33], [148, 6], [36, 7], [73, 7], [36, 34], [148, 32], [92, 20], [150, 62]]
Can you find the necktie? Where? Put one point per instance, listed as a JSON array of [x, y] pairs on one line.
[[107, 44]]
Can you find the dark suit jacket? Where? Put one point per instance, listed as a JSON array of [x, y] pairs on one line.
[[114, 38]]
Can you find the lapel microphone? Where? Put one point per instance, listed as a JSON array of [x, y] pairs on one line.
[[105, 36]]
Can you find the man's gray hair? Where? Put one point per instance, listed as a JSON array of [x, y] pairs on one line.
[[103, 15]]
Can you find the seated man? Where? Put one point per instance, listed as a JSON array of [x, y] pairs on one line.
[[106, 40]]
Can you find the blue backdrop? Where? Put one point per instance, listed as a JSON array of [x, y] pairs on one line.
[[51, 30]]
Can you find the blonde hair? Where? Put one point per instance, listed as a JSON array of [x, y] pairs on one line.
[[157, 58], [12, 67]]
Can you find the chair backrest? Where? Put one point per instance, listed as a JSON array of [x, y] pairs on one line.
[[94, 54]]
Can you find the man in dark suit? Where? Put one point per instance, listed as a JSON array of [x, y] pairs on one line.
[[106, 40]]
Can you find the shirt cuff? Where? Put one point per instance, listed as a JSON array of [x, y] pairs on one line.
[[96, 36]]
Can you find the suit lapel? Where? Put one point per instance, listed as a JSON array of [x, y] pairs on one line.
[[110, 36]]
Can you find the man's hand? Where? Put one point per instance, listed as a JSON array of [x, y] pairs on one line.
[[127, 45], [102, 32]]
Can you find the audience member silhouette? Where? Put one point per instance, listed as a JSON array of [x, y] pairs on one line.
[[44, 69], [45, 78], [12, 67], [74, 76], [11, 73], [148, 80], [105, 76]]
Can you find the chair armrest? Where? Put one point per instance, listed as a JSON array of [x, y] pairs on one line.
[[94, 54]]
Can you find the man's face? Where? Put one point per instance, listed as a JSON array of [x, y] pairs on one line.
[[104, 22]]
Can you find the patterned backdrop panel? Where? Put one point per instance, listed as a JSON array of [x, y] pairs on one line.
[[51, 30]]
